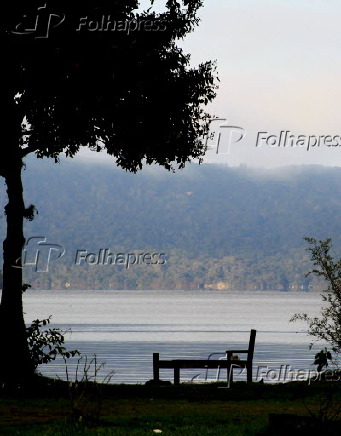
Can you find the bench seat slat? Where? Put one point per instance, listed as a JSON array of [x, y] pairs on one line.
[[177, 363]]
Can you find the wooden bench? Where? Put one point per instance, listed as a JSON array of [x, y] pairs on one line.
[[230, 363]]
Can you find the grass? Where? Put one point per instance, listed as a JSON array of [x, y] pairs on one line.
[[44, 408]]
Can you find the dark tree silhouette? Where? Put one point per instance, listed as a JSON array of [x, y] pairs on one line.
[[104, 77]]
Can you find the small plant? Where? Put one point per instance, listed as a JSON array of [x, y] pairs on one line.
[[321, 359], [325, 409], [86, 391], [45, 344]]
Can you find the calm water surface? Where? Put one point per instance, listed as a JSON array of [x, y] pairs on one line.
[[124, 328]]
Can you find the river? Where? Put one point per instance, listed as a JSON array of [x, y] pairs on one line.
[[124, 328]]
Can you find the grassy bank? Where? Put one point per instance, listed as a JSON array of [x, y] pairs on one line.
[[48, 407]]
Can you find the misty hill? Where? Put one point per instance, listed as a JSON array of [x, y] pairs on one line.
[[239, 227]]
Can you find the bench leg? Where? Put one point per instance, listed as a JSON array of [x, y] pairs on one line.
[[230, 374], [176, 376], [249, 373], [156, 369]]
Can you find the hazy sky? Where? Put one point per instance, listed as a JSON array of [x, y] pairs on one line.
[[279, 65]]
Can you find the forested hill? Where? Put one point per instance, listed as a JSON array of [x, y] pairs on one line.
[[215, 226]]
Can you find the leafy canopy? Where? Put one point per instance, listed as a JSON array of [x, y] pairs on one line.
[[130, 93]]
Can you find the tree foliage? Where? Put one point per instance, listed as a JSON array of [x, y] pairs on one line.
[[327, 327], [131, 94]]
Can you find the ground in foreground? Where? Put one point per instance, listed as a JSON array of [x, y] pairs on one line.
[[50, 407]]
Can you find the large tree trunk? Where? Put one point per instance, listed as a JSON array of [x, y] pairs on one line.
[[15, 362]]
